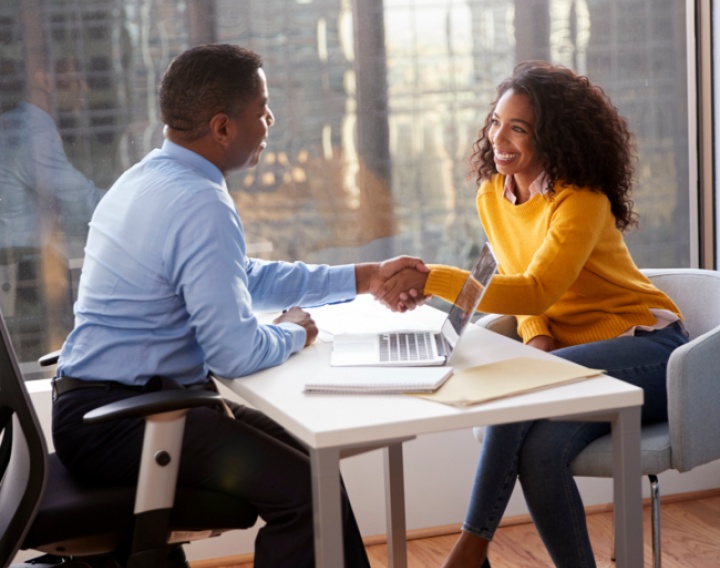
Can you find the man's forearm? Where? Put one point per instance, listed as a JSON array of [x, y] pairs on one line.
[[282, 285], [364, 274]]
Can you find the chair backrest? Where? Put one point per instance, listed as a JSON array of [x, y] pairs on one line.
[[23, 454], [696, 292], [693, 376]]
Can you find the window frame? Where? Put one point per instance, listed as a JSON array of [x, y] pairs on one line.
[[702, 130]]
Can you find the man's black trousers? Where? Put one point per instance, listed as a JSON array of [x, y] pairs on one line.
[[250, 456]]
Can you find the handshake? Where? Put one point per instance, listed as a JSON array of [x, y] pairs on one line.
[[398, 283]]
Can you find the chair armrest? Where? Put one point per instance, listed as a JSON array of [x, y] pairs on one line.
[[693, 397], [152, 403], [504, 325], [161, 452], [49, 359]]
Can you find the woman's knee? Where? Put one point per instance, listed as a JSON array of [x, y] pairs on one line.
[[506, 435], [539, 456], [551, 446]]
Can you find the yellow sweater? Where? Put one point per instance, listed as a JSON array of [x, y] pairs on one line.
[[564, 268]]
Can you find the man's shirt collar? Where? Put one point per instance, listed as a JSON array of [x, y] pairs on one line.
[[194, 160]]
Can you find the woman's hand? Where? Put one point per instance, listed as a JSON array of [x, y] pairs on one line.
[[542, 342]]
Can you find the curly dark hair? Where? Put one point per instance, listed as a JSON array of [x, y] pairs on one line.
[[579, 136], [204, 81]]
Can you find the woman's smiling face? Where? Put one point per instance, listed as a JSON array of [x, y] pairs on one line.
[[511, 135]]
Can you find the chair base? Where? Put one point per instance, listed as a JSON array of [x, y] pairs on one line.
[[53, 561], [85, 546], [175, 558], [44, 561]]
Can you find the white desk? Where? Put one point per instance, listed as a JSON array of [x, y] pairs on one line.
[[337, 426]]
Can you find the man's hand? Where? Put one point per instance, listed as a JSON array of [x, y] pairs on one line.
[[404, 291], [371, 277], [301, 318], [542, 342]]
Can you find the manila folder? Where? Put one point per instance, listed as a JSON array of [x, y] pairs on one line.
[[506, 378]]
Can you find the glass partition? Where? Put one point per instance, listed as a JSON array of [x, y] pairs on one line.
[[377, 104]]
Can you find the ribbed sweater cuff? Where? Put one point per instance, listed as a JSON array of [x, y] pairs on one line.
[[445, 281], [532, 327]]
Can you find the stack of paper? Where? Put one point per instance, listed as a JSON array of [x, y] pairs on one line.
[[379, 380], [507, 378]]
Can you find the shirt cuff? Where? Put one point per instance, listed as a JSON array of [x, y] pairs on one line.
[[296, 332], [341, 283]]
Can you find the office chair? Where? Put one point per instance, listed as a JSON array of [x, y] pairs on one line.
[[690, 436], [44, 507]]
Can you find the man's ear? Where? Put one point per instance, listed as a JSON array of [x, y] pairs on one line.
[[222, 129]]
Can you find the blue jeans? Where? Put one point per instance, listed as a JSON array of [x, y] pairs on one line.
[[540, 452]]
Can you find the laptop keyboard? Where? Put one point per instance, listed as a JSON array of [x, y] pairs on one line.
[[405, 347]]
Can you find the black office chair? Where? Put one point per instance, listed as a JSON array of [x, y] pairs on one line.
[[43, 507]]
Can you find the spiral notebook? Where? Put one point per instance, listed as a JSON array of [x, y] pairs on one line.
[[379, 380]]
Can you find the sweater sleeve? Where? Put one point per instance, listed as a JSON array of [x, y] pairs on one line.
[[445, 281], [532, 326], [576, 226]]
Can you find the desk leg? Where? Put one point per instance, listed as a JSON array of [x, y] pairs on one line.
[[627, 482], [395, 506], [327, 514]]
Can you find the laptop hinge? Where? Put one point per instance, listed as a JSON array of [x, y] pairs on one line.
[[440, 343]]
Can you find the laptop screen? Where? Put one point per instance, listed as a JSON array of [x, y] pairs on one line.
[[469, 297]]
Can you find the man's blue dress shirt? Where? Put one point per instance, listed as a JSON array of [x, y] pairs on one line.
[[166, 288]]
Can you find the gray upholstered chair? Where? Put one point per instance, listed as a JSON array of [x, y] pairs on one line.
[[691, 436]]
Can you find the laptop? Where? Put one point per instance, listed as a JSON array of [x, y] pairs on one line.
[[419, 348]]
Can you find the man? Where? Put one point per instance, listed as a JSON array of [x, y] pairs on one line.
[[167, 294], [39, 189]]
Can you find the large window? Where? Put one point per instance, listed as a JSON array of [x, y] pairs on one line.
[[377, 106]]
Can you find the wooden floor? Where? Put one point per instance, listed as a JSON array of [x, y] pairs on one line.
[[690, 539]]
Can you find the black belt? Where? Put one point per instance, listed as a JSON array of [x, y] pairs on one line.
[[61, 385]]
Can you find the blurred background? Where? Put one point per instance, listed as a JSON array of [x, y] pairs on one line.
[[377, 105]]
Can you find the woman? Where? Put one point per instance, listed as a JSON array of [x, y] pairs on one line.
[[554, 164]]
